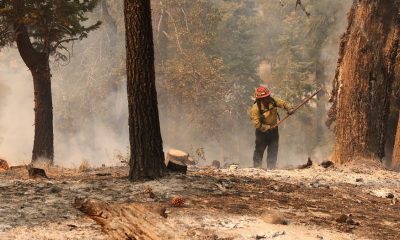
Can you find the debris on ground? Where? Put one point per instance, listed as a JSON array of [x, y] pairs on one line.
[[4, 165], [390, 195], [36, 172], [277, 234], [216, 164], [103, 174], [275, 218], [307, 165], [148, 191], [220, 203], [347, 219], [233, 167], [177, 201], [327, 164]]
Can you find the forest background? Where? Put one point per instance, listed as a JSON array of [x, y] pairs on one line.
[[210, 56]]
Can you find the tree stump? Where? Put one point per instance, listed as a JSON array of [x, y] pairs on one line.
[[175, 166], [36, 172], [176, 161], [4, 165], [180, 156], [129, 221]]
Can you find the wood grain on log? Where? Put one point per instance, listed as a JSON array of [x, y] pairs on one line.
[[128, 221]]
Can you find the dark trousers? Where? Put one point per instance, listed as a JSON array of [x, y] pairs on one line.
[[268, 139]]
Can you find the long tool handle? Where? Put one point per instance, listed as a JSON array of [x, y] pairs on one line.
[[296, 108]]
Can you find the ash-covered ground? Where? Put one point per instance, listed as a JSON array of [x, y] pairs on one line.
[[314, 203]]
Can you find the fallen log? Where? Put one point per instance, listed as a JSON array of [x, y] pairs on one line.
[[129, 221]]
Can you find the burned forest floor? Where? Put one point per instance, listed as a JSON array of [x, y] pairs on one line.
[[314, 203]]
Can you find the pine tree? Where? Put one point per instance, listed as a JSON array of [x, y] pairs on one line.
[[365, 74], [147, 156], [42, 29]]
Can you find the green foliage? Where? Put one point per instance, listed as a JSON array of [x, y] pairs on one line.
[[51, 24], [193, 75]]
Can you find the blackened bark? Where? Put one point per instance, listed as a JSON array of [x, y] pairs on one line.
[[43, 142], [147, 156], [363, 82]]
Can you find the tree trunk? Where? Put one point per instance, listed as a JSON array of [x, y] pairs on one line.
[[38, 64], [395, 160], [396, 151], [43, 142], [147, 156], [363, 81]]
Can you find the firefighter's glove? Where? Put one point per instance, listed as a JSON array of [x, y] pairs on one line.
[[265, 128]]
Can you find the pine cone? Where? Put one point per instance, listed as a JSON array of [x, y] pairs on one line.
[[178, 201], [149, 192]]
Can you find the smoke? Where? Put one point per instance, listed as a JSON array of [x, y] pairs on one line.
[[91, 113], [304, 134], [89, 103], [16, 108]]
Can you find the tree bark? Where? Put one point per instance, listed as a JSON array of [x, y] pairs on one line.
[[43, 146], [396, 151], [395, 158], [362, 86], [38, 64], [147, 156]]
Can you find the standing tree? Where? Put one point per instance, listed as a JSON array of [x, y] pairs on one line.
[[362, 86], [41, 29], [147, 156]]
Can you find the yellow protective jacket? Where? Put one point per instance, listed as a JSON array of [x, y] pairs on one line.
[[270, 114]]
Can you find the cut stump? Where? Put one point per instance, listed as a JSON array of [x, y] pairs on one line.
[[180, 156], [176, 161]]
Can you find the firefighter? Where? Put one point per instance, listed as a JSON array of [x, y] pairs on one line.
[[264, 115]]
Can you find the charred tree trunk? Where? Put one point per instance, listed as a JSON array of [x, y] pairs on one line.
[[38, 64], [363, 81], [43, 142], [147, 156]]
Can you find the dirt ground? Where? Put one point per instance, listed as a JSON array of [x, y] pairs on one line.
[[315, 203]]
